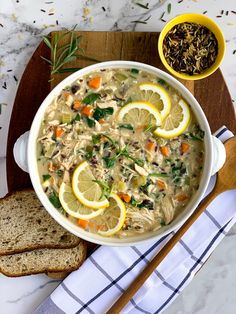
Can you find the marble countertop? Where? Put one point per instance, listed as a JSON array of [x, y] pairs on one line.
[[22, 25]]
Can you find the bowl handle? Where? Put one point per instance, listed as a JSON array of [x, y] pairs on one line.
[[20, 151], [219, 155]]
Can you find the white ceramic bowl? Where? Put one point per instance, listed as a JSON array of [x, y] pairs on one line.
[[25, 155]]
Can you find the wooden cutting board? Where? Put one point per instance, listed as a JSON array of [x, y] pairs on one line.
[[212, 92]]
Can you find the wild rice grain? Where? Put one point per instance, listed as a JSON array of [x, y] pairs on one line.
[[190, 48]]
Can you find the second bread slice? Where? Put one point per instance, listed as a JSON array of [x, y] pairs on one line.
[[43, 260]]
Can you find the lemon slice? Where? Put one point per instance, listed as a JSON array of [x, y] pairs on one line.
[[85, 189], [176, 122], [140, 114], [113, 216], [73, 207], [156, 95]]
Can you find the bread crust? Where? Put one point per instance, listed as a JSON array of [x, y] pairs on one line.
[[48, 269]]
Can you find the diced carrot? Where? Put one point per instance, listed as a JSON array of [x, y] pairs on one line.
[[101, 227], [101, 121], [83, 223], [77, 104], [51, 166], [103, 139], [87, 111], [66, 95], [184, 148], [161, 184], [125, 197], [150, 146], [181, 197], [126, 222], [95, 82], [58, 131], [165, 151]]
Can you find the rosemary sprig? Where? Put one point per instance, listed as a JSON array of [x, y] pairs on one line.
[[62, 54]]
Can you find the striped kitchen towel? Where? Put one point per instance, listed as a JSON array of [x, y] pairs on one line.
[[109, 270]]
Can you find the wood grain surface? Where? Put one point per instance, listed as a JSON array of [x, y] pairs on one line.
[[211, 92]]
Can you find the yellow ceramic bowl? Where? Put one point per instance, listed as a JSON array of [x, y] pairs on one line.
[[200, 19]]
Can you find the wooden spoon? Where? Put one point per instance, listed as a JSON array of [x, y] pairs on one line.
[[226, 180]]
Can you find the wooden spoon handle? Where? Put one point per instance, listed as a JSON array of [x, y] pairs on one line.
[[148, 270]]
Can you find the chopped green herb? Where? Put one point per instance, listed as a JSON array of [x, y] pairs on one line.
[[101, 113], [106, 190], [54, 199], [187, 181], [91, 98], [134, 71], [169, 8], [133, 201], [96, 138], [177, 180], [161, 81], [144, 188], [46, 177], [88, 155], [119, 102], [150, 128], [147, 204], [77, 117], [126, 126], [59, 173], [192, 137], [124, 152], [110, 140], [109, 161], [90, 122], [158, 175], [162, 223]]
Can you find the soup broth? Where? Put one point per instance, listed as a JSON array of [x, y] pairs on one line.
[[154, 176]]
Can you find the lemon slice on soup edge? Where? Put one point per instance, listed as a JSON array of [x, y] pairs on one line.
[[156, 95], [73, 207], [176, 122], [85, 189], [140, 113], [113, 217]]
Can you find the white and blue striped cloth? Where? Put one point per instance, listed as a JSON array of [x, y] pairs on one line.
[[109, 270]]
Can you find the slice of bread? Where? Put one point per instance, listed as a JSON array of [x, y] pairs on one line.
[[59, 275], [25, 225], [43, 260]]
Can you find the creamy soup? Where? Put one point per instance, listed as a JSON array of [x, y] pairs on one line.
[[154, 176]]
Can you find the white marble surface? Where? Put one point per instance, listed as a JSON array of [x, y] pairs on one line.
[[22, 24]]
